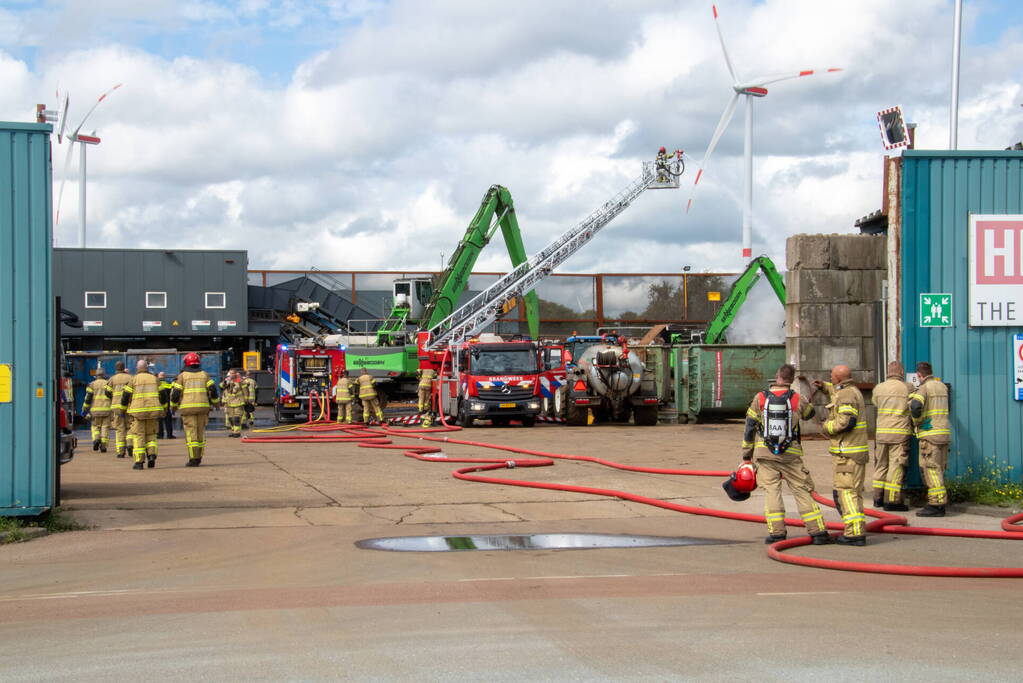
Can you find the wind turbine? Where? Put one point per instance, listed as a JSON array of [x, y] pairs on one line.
[[748, 89], [83, 141]]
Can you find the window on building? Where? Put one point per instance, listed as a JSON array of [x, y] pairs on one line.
[[156, 299], [95, 299], [216, 300]]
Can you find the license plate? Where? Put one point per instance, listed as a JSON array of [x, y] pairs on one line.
[[290, 405], [507, 405]]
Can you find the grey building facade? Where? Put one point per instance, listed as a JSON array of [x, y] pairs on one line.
[[152, 295]]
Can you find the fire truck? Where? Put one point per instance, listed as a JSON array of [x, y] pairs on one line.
[[487, 378], [303, 371]]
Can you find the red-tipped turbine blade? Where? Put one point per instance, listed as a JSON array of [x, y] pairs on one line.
[[726, 117], [89, 113], [728, 60], [774, 78]]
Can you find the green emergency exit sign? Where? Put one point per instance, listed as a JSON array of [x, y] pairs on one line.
[[935, 310]]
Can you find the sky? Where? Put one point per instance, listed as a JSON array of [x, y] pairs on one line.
[[362, 134]]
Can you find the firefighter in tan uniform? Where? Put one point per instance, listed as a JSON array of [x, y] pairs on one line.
[[233, 396], [891, 438], [847, 426], [96, 407], [141, 400], [118, 418], [426, 377], [193, 395], [344, 399], [929, 407], [249, 387], [368, 396], [772, 439]]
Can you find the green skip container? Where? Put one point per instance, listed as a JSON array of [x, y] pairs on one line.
[[718, 381]]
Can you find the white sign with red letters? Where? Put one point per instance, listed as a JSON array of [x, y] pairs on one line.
[[996, 270]]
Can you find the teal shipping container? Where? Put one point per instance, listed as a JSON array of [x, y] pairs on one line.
[[962, 298], [28, 446]]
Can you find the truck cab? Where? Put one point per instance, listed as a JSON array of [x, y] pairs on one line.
[[492, 380]]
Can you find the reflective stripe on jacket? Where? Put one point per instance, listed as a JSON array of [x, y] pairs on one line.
[[191, 393], [234, 394], [426, 378], [96, 400], [366, 388], [847, 423], [249, 387], [753, 440], [141, 396], [343, 390], [929, 407], [115, 385], [892, 400]]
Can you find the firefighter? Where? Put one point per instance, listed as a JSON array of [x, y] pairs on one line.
[[233, 396], [96, 409], [343, 397], [249, 387], [892, 437], [929, 407], [166, 424], [141, 399], [662, 165], [426, 377], [772, 437], [118, 418], [847, 426], [368, 396], [193, 395]]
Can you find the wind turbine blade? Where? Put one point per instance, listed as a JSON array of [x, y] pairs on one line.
[[63, 179], [726, 117], [765, 80], [101, 98], [62, 119], [728, 60]]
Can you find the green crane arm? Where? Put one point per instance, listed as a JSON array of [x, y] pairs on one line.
[[740, 290], [496, 210]]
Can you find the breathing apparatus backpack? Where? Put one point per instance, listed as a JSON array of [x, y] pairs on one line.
[[778, 425]]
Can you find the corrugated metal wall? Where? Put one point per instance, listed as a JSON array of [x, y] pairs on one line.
[[27, 446], [940, 190]]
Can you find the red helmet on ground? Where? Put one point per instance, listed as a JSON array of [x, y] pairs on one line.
[[742, 481], [192, 359]]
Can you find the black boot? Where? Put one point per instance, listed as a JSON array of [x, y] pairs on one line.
[[895, 507], [150, 461], [120, 454], [774, 539], [851, 540], [823, 538], [192, 462], [95, 444], [102, 447], [932, 511], [878, 501], [138, 466]]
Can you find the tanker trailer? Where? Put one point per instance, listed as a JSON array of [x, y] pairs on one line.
[[607, 379]]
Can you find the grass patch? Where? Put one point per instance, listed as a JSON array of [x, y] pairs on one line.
[[55, 522]]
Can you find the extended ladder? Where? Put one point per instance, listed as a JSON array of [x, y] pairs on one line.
[[487, 306]]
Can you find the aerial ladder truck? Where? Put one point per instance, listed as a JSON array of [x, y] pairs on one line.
[[447, 346]]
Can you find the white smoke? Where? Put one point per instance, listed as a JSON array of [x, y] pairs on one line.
[[761, 319]]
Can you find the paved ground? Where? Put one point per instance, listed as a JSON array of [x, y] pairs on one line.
[[245, 568]]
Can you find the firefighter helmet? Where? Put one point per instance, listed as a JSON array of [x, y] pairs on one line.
[[192, 359], [662, 150], [741, 482]]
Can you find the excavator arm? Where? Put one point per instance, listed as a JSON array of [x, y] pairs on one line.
[[496, 210], [740, 290]]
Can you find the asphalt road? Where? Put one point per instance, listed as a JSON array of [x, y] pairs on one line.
[[246, 569]]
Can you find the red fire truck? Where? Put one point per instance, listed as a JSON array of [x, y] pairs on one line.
[[487, 378], [304, 371]]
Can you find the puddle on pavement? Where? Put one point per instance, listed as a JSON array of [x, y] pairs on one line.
[[529, 542]]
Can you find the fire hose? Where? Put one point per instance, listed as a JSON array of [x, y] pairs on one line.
[[320, 431]]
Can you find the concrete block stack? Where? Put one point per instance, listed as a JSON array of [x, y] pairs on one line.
[[832, 286]]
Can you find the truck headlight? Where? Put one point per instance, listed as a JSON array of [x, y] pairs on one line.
[[534, 405], [478, 407]]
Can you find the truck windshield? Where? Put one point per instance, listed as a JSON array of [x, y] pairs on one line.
[[518, 362]]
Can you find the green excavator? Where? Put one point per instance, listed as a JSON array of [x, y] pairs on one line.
[[737, 296], [420, 304]]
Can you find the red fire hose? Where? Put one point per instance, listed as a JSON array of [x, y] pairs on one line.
[[883, 523]]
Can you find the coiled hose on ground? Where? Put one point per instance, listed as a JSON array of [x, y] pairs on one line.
[[321, 431]]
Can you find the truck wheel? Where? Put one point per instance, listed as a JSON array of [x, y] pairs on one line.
[[601, 415], [464, 419], [277, 413], [645, 415], [528, 421], [575, 416]]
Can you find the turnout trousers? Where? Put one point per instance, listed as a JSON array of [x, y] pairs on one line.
[[370, 407], [800, 483], [195, 434], [100, 424], [143, 436], [933, 461], [890, 460], [849, 476]]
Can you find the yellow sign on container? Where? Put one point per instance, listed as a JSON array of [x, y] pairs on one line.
[[5, 383], [713, 296], [250, 360]]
